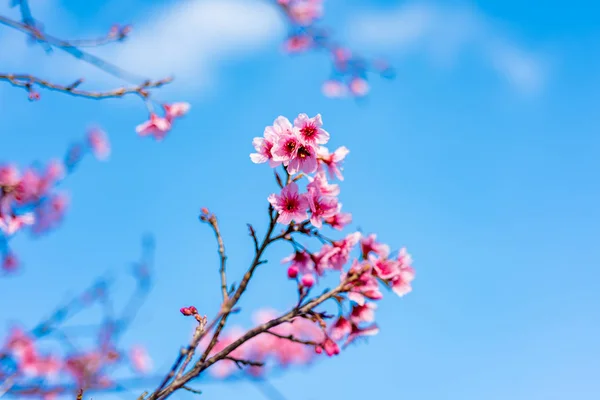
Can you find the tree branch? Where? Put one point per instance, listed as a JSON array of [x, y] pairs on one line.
[[211, 219], [28, 81]]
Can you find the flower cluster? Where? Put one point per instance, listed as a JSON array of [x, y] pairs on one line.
[[349, 72], [85, 369], [28, 198], [298, 149], [158, 126], [280, 347]]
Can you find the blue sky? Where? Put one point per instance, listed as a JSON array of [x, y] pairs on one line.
[[481, 158]]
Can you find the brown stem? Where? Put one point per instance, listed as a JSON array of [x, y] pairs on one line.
[[26, 81], [223, 354], [212, 221], [293, 339]]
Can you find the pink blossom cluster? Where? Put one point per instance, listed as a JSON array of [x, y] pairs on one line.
[[86, 370], [298, 149], [349, 75], [158, 126], [28, 197], [280, 349]]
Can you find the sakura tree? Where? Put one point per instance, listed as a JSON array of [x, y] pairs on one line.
[[301, 212]]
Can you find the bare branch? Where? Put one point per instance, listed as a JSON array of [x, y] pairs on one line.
[[211, 219], [293, 339], [28, 81], [202, 364], [241, 363], [185, 355], [189, 389]]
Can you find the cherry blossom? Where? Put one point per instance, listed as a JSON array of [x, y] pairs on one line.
[[310, 129], [290, 204], [99, 144], [332, 162], [156, 126]]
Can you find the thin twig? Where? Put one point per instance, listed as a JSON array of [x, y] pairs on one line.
[[212, 221], [26, 81], [241, 363], [293, 339]]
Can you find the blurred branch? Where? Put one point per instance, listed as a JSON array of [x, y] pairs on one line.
[[28, 81]]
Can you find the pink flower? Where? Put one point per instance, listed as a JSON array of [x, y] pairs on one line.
[[384, 268], [9, 175], [305, 12], [308, 280], [175, 110], [339, 220], [340, 329], [10, 263], [368, 245], [333, 161], [310, 129], [293, 153], [320, 207], [297, 43], [264, 145], [366, 287], [98, 142], [359, 87], [301, 262], [401, 283], [341, 57], [286, 147], [333, 89], [28, 187], [338, 254], [140, 360], [304, 161], [331, 348], [363, 313], [155, 126], [54, 172], [319, 182], [11, 224], [290, 205], [361, 332]]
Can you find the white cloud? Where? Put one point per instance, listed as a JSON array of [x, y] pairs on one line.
[[445, 33], [188, 39], [191, 38]]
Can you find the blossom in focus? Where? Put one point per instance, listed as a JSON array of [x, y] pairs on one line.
[[311, 129], [321, 207], [264, 145], [290, 204], [332, 162], [339, 220], [369, 244], [319, 183]]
